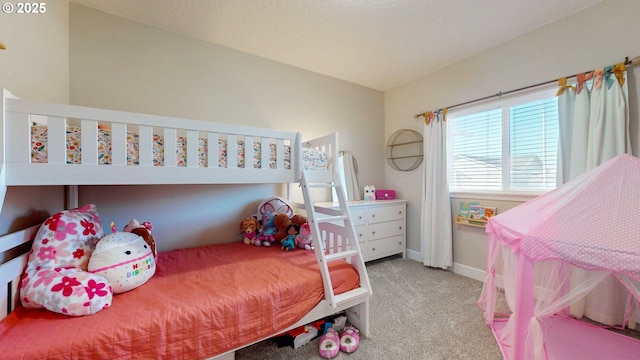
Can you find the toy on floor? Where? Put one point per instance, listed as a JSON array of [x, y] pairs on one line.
[[301, 335]]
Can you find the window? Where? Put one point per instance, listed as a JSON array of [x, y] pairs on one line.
[[508, 145]]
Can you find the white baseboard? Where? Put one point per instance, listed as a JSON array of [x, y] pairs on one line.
[[464, 270], [469, 271], [414, 255]]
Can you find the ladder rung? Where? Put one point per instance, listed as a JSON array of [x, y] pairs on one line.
[[331, 218], [340, 255], [349, 295]]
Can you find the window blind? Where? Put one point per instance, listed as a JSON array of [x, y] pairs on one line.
[[510, 145]]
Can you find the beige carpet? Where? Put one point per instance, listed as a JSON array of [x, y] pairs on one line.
[[417, 313]]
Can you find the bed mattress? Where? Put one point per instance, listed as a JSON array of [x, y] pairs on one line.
[[312, 159], [200, 303]]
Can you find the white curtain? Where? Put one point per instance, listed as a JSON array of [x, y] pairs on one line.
[[437, 244], [594, 128]]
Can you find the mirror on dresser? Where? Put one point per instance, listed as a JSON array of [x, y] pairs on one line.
[[348, 170]]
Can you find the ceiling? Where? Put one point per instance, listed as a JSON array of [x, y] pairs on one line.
[[379, 44]]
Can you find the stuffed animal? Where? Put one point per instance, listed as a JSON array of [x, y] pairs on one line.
[[249, 228], [369, 192], [281, 223], [274, 205], [267, 234], [143, 230], [56, 276], [289, 242], [124, 259], [303, 239], [298, 220]]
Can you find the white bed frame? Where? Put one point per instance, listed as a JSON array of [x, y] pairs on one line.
[[17, 169]]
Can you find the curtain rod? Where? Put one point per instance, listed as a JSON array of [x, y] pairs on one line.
[[634, 61]]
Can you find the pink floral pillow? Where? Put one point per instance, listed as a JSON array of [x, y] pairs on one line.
[[56, 277]]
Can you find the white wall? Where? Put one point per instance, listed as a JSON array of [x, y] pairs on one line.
[[120, 64], [598, 36], [34, 66]]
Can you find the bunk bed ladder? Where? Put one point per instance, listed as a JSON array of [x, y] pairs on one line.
[[342, 242]]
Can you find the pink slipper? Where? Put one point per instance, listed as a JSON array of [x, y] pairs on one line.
[[329, 347], [349, 339]]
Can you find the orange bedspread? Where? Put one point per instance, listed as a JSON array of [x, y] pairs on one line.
[[201, 302]]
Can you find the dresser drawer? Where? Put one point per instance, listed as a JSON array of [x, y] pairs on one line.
[[385, 213], [383, 230], [358, 216], [385, 247], [361, 233]]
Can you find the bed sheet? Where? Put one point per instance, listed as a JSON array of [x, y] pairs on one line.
[[201, 302], [312, 159]]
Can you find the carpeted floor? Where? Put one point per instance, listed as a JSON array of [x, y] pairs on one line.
[[417, 313]]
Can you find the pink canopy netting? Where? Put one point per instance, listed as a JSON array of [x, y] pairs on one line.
[[552, 251]]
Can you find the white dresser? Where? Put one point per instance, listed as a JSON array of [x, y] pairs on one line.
[[381, 227]]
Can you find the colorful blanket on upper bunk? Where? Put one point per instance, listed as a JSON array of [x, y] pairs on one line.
[[311, 159], [201, 302]]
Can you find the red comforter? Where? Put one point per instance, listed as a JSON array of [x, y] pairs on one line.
[[200, 303]]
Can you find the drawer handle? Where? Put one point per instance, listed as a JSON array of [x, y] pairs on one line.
[[400, 227], [373, 232], [373, 249], [400, 212], [374, 215]]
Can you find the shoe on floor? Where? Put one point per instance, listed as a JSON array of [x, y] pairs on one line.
[[329, 344], [349, 339]]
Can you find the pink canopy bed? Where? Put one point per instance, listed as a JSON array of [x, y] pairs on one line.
[[551, 252]]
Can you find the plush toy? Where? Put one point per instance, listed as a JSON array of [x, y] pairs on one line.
[[369, 192], [267, 234], [274, 205], [298, 219], [56, 276], [303, 239], [249, 227], [289, 242], [124, 259], [281, 222], [143, 230]]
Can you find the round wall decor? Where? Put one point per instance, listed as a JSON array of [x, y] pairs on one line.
[[404, 150]]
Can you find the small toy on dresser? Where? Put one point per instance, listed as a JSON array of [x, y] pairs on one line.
[[369, 192]]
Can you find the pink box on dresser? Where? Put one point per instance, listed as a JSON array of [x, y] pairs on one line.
[[385, 194]]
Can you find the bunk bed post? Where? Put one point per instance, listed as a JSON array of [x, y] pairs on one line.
[[71, 196]]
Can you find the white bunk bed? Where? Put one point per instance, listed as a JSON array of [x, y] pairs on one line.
[[332, 229]]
